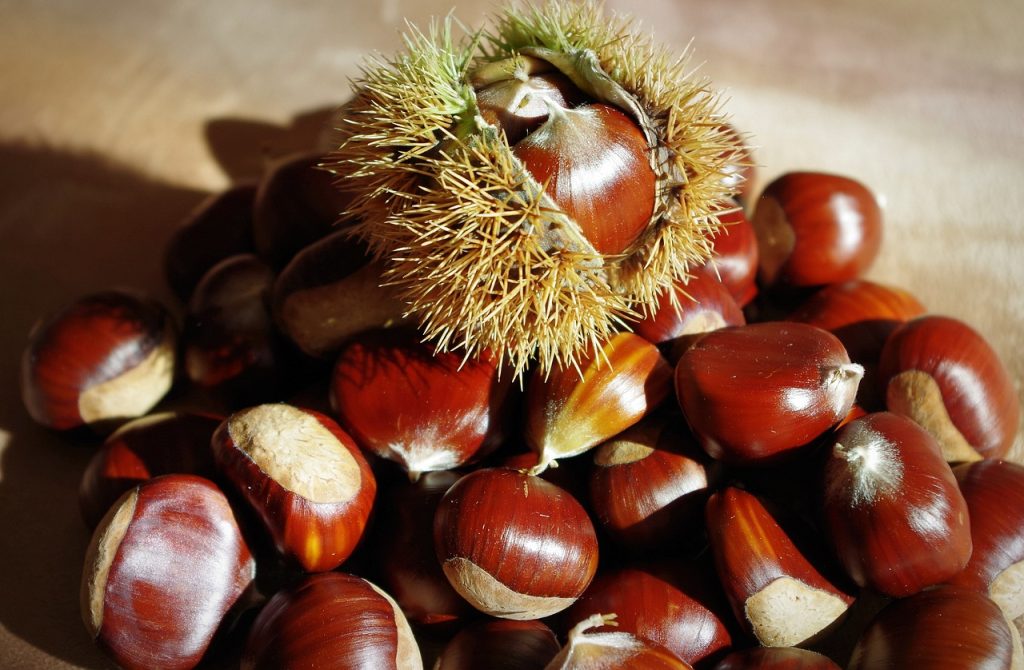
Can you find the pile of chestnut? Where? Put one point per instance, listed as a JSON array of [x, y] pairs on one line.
[[787, 466]]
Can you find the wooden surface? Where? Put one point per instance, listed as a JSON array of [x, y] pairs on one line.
[[118, 117]]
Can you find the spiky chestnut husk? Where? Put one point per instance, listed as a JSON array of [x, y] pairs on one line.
[[483, 257]]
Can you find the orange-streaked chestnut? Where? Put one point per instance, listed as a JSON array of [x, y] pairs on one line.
[[944, 628], [649, 484], [894, 514], [520, 105], [105, 358], [942, 373], [775, 591], [303, 475], [331, 620], [403, 548], [424, 409], [667, 603], [219, 227], [611, 651], [296, 204], [499, 645], [158, 444], [735, 259], [165, 565], [994, 491], [814, 228], [569, 410], [330, 291], [700, 305], [514, 545], [594, 162], [776, 658], [754, 392]]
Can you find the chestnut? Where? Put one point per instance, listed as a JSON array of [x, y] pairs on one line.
[[814, 228], [163, 568], [303, 475], [520, 105], [894, 513], [105, 358], [570, 410], [331, 620], [424, 409], [158, 444], [514, 545], [775, 591], [942, 373], [776, 658], [500, 645], [330, 291], [756, 392], [735, 258], [585, 650], [943, 628]]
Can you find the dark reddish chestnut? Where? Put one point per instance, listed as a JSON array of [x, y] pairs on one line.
[[755, 392], [424, 409], [305, 478], [163, 568], [649, 484], [942, 373], [570, 410], [894, 513], [945, 628], [330, 291], [331, 620], [814, 228], [994, 491], [500, 645], [514, 545], [775, 591], [105, 358], [735, 259], [221, 226], [776, 658], [159, 444], [612, 651]]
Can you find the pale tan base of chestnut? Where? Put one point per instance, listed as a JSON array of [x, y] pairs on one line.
[[100, 556], [788, 612], [490, 596]]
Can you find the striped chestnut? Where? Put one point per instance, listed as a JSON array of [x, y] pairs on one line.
[[165, 565], [893, 511], [331, 620], [105, 358], [754, 393], [735, 259], [303, 475], [499, 644], [514, 545], [942, 373]]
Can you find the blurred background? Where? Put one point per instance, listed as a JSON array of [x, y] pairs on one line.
[[117, 118]]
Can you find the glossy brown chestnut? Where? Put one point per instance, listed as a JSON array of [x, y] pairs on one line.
[[514, 545], [894, 513], [158, 444], [303, 475], [700, 305], [611, 651], [330, 291], [331, 620], [221, 226], [667, 603], [994, 491], [648, 484], [403, 550], [942, 373], [775, 591], [593, 162], [105, 358], [424, 409], [164, 566], [944, 628], [755, 392], [297, 204], [776, 658], [814, 228], [735, 259], [569, 410], [500, 645]]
